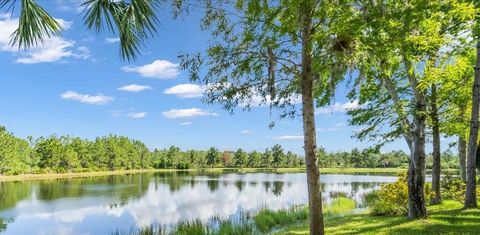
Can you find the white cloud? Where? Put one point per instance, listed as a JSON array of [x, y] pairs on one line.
[[82, 53], [50, 50], [7, 27], [162, 69], [246, 132], [186, 123], [185, 90], [112, 40], [339, 107], [289, 137], [186, 113], [98, 99], [137, 115], [134, 88]]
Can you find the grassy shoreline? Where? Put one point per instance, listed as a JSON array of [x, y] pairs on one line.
[[447, 218], [25, 177]]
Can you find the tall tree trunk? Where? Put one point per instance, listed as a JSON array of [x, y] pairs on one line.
[[416, 172], [437, 198], [313, 173], [462, 156], [471, 197]]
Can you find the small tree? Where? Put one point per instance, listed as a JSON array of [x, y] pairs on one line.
[[277, 156], [213, 156], [240, 158]]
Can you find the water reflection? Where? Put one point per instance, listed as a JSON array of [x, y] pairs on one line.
[[99, 205]]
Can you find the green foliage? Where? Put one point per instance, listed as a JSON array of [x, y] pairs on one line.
[[133, 20], [277, 155], [340, 206], [454, 188], [186, 228], [267, 219], [15, 154], [240, 158], [366, 158], [65, 154], [392, 199], [213, 157], [196, 227]]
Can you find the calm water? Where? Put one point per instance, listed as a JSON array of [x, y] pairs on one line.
[[100, 205]]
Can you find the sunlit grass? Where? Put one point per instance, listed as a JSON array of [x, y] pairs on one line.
[[447, 218]]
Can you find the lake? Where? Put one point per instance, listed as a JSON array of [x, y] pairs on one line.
[[101, 205]]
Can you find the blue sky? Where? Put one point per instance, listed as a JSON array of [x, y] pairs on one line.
[[76, 84]]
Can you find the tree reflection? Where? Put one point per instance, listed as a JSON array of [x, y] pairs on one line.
[[212, 185], [240, 184], [267, 185], [12, 192], [277, 188]]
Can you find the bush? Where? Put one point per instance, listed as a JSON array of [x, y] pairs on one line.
[[392, 199], [453, 188]]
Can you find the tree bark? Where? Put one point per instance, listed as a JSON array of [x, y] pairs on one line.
[[471, 197], [462, 156], [437, 198], [416, 172], [313, 173]]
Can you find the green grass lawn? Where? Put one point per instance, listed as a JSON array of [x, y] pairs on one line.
[[448, 218]]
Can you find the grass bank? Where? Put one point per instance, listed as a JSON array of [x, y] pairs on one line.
[[220, 170], [448, 218]]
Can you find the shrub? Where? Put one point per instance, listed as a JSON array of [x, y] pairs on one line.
[[392, 198], [453, 188]]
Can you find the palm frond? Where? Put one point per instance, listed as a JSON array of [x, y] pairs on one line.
[[34, 25], [135, 21]]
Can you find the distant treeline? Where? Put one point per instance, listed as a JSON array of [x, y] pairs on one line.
[[372, 158], [60, 154]]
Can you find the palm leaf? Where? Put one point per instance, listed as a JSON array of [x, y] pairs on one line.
[[34, 25], [134, 21]]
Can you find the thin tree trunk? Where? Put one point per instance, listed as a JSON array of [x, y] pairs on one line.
[[462, 156], [313, 173], [471, 197], [416, 172], [437, 198]]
